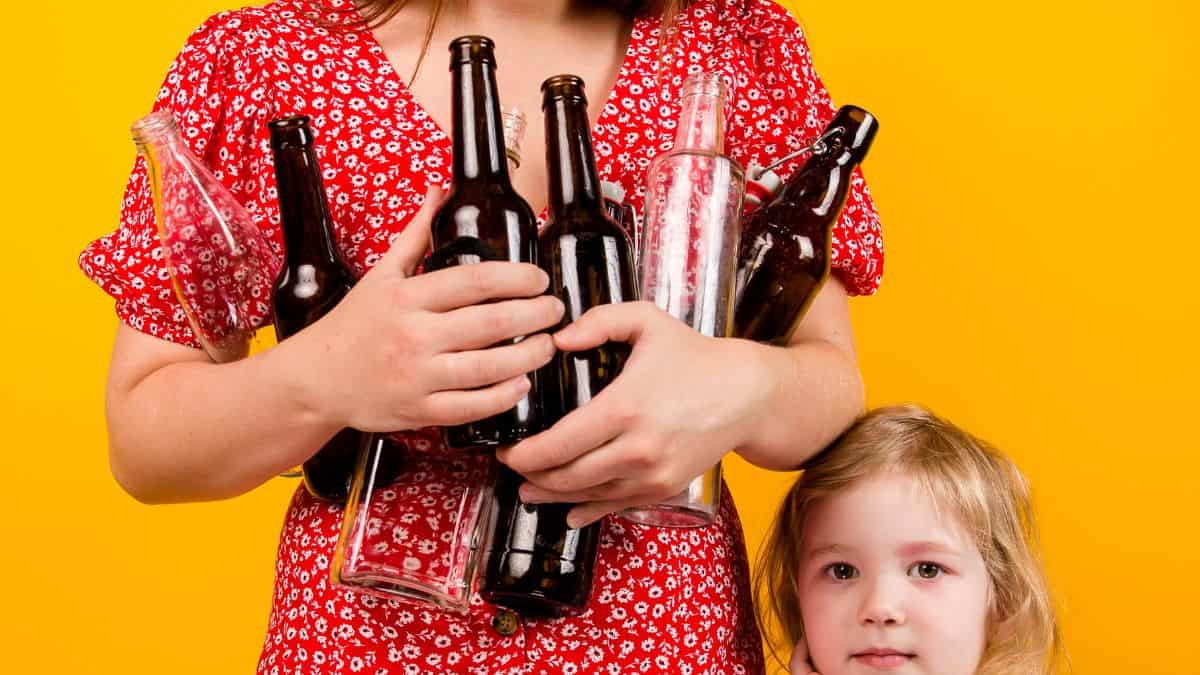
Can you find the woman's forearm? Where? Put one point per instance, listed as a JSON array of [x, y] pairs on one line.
[[815, 393], [184, 429], [813, 388]]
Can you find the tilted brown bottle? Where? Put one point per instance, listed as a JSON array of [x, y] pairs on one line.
[[535, 563], [314, 278], [785, 247], [483, 217]]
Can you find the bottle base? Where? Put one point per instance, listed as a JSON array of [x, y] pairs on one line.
[[696, 506], [531, 605], [536, 585], [664, 515], [473, 440]]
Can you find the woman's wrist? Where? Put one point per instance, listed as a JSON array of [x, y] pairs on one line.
[[288, 370]]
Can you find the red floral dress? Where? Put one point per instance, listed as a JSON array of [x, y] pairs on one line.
[[664, 600]]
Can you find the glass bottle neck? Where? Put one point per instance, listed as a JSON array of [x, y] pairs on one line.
[[570, 159], [303, 209], [702, 121], [158, 140], [478, 126]]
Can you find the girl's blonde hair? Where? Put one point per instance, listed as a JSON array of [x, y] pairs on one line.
[[965, 476]]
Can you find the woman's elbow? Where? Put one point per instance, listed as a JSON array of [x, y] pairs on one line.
[[133, 479]]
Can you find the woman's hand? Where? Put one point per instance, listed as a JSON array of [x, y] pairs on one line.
[[681, 402], [801, 665], [403, 351]]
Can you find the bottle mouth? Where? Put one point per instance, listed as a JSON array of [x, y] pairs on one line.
[[472, 48], [563, 87], [862, 127], [704, 84], [290, 131], [153, 126]]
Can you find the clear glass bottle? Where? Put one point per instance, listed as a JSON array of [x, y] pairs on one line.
[[688, 255], [220, 264], [393, 544]]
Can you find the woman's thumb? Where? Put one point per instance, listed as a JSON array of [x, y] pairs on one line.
[[409, 247]]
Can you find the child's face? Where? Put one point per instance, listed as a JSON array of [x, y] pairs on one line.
[[887, 585]]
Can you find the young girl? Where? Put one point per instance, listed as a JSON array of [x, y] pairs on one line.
[[404, 353], [908, 547]]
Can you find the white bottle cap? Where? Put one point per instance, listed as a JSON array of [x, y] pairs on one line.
[[612, 191], [762, 187]]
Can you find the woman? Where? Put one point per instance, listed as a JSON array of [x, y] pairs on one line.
[[393, 354]]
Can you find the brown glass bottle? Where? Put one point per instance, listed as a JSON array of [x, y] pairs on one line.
[[785, 246], [483, 217], [535, 563], [313, 279]]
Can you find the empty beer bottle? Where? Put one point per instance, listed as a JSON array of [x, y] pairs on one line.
[[313, 279], [483, 217], [535, 563], [785, 247]]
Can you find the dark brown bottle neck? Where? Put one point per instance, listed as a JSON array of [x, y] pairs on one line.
[[303, 210], [850, 135], [570, 159], [478, 125], [825, 178]]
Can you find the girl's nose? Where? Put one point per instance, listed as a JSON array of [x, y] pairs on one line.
[[882, 605]]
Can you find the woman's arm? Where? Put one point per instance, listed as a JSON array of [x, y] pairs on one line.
[[816, 389], [399, 352], [181, 428], [683, 400]]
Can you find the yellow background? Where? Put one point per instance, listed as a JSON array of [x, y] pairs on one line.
[[1035, 172]]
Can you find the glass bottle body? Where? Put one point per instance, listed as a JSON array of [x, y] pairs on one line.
[[688, 256], [218, 260], [483, 217], [785, 252], [535, 562]]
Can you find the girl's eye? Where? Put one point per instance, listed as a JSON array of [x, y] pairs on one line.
[[841, 571], [926, 570]]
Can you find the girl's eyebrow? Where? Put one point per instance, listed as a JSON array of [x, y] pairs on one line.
[[918, 548], [828, 549]]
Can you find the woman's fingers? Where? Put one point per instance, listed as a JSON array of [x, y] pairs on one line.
[[801, 665], [618, 322], [482, 326], [448, 408], [483, 367], [582, 430], [607, 491], [590, 512], [465, 285], [617, 469]]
